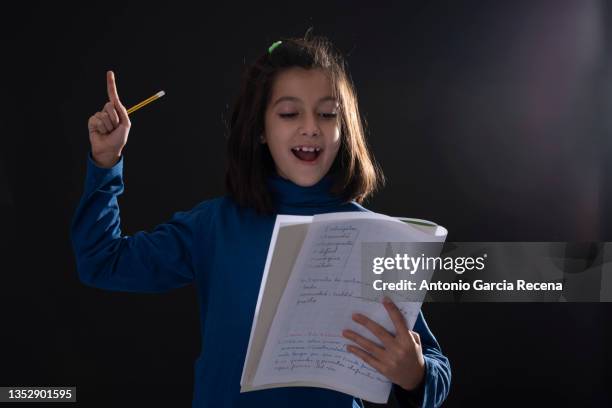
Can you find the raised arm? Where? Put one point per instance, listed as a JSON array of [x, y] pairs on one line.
[[153, 261]]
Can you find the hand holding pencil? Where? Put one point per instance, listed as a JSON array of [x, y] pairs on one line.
[[109, 128]]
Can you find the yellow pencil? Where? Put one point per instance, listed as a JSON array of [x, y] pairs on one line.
[[146, 102]]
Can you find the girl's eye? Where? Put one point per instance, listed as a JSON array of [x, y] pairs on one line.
[[325, 115]]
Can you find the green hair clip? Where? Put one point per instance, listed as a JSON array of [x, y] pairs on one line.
[[273, 46]]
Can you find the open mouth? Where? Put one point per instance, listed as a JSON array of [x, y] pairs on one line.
[[307, 154]]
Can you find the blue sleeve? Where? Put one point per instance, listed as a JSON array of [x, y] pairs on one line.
[[155, 261], [436, 383]]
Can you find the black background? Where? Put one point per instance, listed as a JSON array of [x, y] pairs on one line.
[[490, 118]]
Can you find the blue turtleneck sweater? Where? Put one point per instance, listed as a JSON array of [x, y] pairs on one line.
[[221, 248]]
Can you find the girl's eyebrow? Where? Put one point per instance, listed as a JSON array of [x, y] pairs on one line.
[[296, 99]]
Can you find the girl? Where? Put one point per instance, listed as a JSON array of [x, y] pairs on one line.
[[296, 146]]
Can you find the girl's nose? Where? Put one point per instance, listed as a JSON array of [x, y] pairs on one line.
[[312, 132], [310, 126]]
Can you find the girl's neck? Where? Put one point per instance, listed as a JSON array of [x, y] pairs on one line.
[[292, 198]]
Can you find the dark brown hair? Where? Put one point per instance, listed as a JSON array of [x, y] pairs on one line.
[[249, 163]]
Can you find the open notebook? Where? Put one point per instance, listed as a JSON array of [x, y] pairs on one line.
[[309, 290]]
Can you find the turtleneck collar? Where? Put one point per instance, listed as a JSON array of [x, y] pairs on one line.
[[292, 198]]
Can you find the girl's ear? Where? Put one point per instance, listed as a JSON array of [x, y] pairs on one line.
[[262, 139]]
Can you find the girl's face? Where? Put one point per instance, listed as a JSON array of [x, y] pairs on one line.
[[302, 126]]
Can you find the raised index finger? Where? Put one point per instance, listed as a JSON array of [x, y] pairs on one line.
[[113, 96]]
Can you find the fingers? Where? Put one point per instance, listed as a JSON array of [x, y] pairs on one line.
[[112, 113], [107, 120], [396, 317], [416, 337], [100, 123], [106, 123], [385, 337], [403, 333], [371, 347], [367, 358], [95, 125], [111, 88], [113, 97]]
